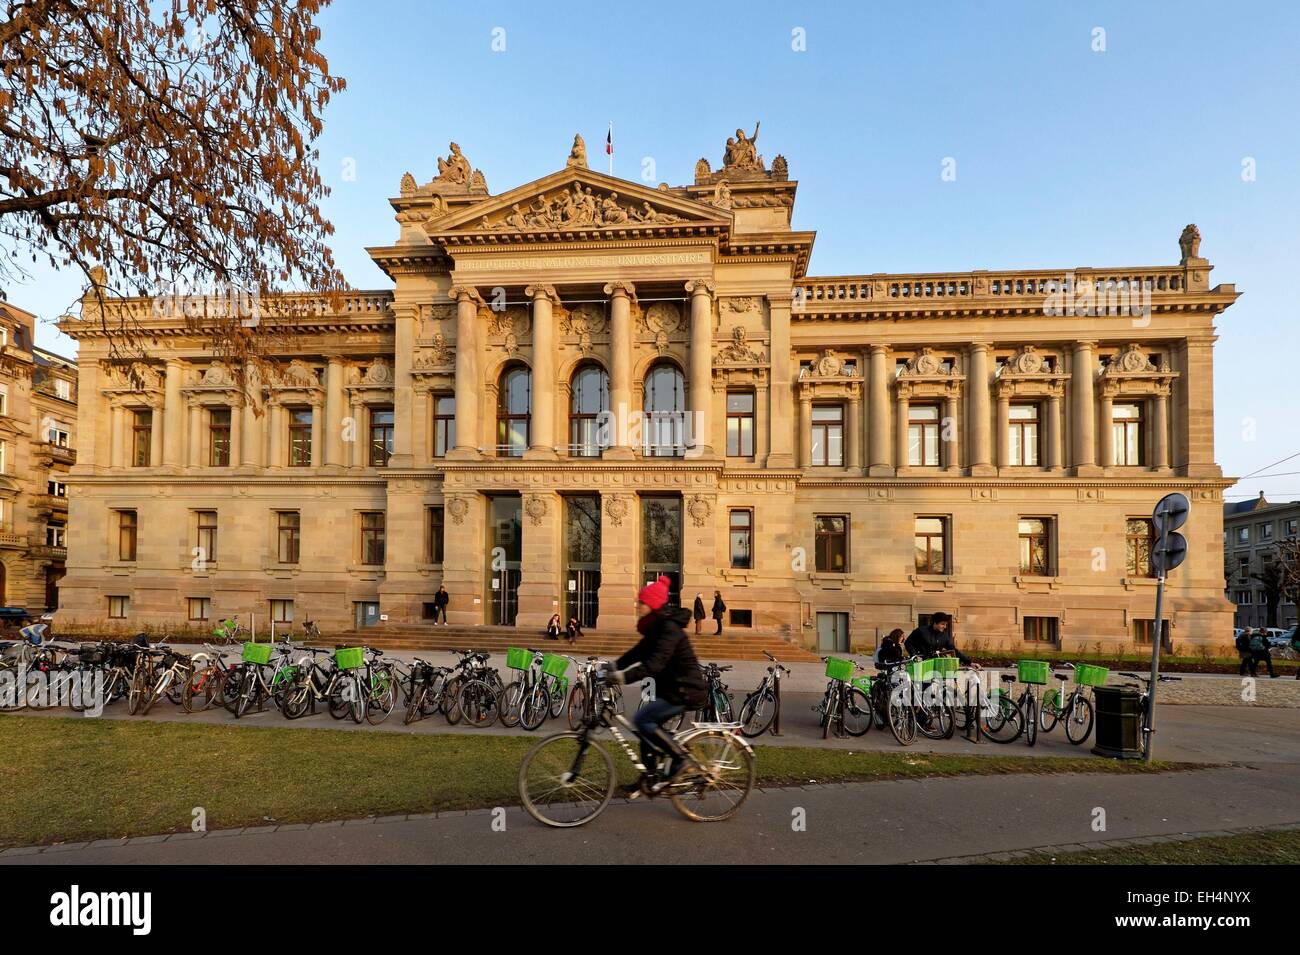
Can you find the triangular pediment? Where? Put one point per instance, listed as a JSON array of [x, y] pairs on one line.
[[572, 201]]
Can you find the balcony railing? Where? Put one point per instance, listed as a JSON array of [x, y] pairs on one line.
[[11, 538], [50, 503], [48, 453]]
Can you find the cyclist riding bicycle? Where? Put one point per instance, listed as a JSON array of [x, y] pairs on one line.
[[665, 654]]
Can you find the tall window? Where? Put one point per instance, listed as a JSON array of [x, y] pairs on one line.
[[665, 426], [1024, 435], [1126, 434], [828, 436], [434, 535], [199, 609], [141, 435], [1139, 535], [931, 545], [59, 436], [207, 535], [4, 457], [923, 435], [126, 535], [381, 436], [288, 530], [4, 399], [742, 538], [219, 438], [56, 534], [740, 424], [63, 389], [514, 411], [444, 424], [372, 538], [1035, 546], [590, 397], [300, 437], [832, 543]]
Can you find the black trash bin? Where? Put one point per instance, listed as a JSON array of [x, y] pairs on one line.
[[1119, 722]]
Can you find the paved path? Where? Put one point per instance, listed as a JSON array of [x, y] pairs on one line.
[[881, 822]]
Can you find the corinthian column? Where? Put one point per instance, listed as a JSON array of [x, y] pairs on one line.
[[978, 406], [622, 294], [1082, 410], [467, 364], [879, 460], [334, 403], [173, 416], [1161, 427], [701, 292], [542, 437]]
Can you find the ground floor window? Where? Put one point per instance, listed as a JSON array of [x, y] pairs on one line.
[[365, 613], [282, 611], [1040, 630], [1144, 630], [832, 543], [118, 607], [200, 609], [741, 618]]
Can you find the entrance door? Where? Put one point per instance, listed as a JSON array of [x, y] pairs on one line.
[[504, 551], [582, 559], [833, 632], [661, 543]]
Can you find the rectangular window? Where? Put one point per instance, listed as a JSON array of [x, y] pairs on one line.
[[300, 437], [4, 399], [381, 436], [1035, 546], [828, 436], [206, 538], [1040, 630], [1023, 437], [56, 489], [832, 543], [1144, 630], [1243, 566], [741, 524], [199, 609], [444, 424], [118, 607], [219, 438], [741, 618], [1139, 536], [433, 545], [1265, 532], [59, 437], [287, 529], [141, 435], [282, 612], [923, 435], [1290, 527], [372, 538], [1241, 597], [740, 424], [1126, 434], [127, 529], [1243, 536], [63, 389], [931, 545], [4, 457], [56, 534]]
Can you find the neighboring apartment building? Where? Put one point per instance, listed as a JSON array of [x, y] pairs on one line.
[[38, 422], [838, 455], [1252, 531]]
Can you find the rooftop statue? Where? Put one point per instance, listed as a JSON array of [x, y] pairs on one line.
[[578, 154]]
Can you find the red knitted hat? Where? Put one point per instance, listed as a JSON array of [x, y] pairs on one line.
[[654, 595]]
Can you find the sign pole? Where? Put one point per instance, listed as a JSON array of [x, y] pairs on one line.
[[1155, 667]]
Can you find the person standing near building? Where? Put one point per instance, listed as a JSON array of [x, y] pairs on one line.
[[440, 601], [1259, 653], [719, 608], [698, 612]]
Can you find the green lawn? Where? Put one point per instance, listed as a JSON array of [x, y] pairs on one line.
[[1251, 848], [76, 779]]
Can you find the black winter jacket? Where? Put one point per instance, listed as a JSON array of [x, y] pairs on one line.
[[664, 653], [929, 642]]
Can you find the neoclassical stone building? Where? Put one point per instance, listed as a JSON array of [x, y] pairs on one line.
[[582, 382]]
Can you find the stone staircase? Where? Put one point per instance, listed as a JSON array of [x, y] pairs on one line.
[[739, 644]]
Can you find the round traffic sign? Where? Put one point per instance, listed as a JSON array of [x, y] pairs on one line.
[[1171, 512], [1169, 551]]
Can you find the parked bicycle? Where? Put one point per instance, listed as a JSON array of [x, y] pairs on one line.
[[845, 709], [1144, 684], [588, 694], [1074, 710], [762, 707]]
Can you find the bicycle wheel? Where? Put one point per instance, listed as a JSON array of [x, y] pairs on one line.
[[901, 716], [829, 707], [248, 690], [478, 704], [566, 780], [577, 705], [153, 695], [1002, 721], [383, 697], [1031, 720], [856, 717], [193, 687], [557, 697], [296, 701], [511, 702], [534, 707], [721, 779], [1049, 713], [450, 704], [1078, 720], [136, 695], [415, 703], [757, 713]]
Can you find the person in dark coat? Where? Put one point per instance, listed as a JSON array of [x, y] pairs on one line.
[[440, 601], [1243, 650], [664, 653], [1260, 653], [698, 612], [719, 608], [574, 629], [934, 640], [891, 648]]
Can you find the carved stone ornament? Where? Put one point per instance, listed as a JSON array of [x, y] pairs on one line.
[[578, 153], [585, 318], [665, 317], [536, 507], [742, 152], [741, 304], [455, 176], [299, 374], [925, 363], [721, 196], [699, 510], [455, 168], [216, 375], [616, 508], [439, 353], [576, 207], [457, 508], [1131, 361], [379, 373], [739, 350], [830, 365]]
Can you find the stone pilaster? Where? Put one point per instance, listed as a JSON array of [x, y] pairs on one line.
[[405, 320], [173, 417], [1055, 430], [701, 371], [950, 431], [335, 402], [620, 561], [542, 430], [978, 412], [467, 372], [853, 434], [464, 562], [622, 295], [1160, 428], [902, 407], [1106, 411], [781, 392], [805, 429], [539, 578], [879, 459], [1083, 410]]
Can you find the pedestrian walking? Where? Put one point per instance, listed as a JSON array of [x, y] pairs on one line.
[[440, 601], [698, 612], [1243, 651], [1259, 652], [719, 608]]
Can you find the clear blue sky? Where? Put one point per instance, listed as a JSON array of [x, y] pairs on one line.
[[1065, 156]]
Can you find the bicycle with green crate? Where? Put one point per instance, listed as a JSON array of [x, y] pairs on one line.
[[1004, 719], [382, 684], [934, 698], [260, 678], [845, 708], [339, 683], [1074, 709], [526, 700]]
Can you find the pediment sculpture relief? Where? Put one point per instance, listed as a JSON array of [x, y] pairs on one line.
[[298, 374], [831, 365], [379, 373], [1131, 361], [576, 207], [438, 353], [216, 375], [1029, 362], [926, 364]]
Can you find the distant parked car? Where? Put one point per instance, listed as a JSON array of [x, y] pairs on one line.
[[1277, 637]]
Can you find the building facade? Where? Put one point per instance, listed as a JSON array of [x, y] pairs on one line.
[[584, 382], [1255, 533], [38, 428]]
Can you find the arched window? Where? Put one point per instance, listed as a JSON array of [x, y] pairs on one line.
[[514, 404], [665, 427], [590, 397]]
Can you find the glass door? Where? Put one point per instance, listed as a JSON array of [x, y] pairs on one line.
[[582, 559], [504, 551], [661, 543]]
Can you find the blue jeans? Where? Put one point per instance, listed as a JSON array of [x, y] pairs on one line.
[[648, 719]]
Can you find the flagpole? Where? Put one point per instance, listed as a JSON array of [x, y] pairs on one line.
[[611, 149]]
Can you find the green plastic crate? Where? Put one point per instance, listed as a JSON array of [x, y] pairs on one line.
[[917, 670], [517, 658], [944, 666], [863, 683], [553, 664], [257, 653], [837, 669], [1088, 675], [562, 687], [1033, 671], [350, 658]]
